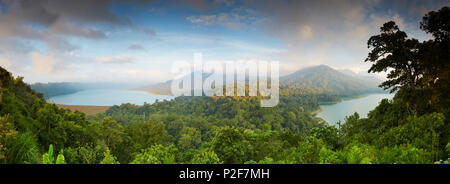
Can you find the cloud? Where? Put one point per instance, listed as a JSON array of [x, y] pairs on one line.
[[204, 19], [140, 75], [136, 47], [234, 19], [43, 64], [76, 29], [333, 32], [5, 63], [58, 44], [306, 32], [14, 47], [205, 5], [54, 21], [114, 59]]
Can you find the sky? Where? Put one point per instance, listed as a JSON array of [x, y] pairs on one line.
[[139, 40]]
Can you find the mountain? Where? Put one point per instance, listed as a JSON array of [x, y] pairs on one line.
[[313, 80], [55, 89], [164, 88], [52, 89], [323, 79]]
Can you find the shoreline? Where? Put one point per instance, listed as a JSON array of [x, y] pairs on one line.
[[87, 109], [315, 112]]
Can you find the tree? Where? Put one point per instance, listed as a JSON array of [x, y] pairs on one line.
[[206, 157], [437, 24], [230, 145], [7, 132], [190, 138], [157, 154], [109, 159], [420, 69], [393, 51], [147, 134]]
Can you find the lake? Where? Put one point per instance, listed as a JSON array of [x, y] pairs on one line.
[[108, 97], [332, 113]]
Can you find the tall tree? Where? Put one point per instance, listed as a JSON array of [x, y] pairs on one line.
[[419, 69]]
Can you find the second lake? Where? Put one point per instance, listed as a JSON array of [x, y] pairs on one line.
[[332, 113]]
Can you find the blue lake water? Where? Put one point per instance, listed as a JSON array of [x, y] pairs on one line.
[[108, 97], [332, 113]]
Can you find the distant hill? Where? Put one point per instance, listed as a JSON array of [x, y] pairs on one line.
[[313, 80], [164, 88], [323, 79], [55, 89]]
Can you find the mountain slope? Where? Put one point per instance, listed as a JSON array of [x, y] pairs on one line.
[[323, 79], [313, 80], [164, 88]]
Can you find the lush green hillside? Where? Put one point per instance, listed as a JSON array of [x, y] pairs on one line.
[[55, 89], [212, 130], [52, 89], [325, 80]]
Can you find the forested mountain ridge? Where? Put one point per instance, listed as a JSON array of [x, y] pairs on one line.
[[52, 89], [55, 89], [323, 79]]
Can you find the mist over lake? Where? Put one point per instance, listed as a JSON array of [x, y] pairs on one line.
[[108, 97], [332, 113]]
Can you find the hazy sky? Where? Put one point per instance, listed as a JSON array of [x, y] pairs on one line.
[[123, 41]]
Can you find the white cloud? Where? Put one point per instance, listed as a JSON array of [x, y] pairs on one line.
[[114, 59], [5, 63], [306, 32], [234, 19], [204, 19], [43, 64], [139, 75]]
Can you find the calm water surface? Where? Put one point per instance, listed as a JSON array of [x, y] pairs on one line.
[[108, 97], [334, 112]]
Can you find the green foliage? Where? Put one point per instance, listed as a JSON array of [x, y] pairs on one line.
[[206, 157], [419, 69], [266, 160], [403, 155], [147, 134], [329, 134], [328, 156], [359, 154], [109, 159], [55, 89], [157, 154], [60, 159], [326, 83], [23, 148], [48, 158], [422, 132], [230, 145], [7, 132], [88, 154], [308, 152], [190, 138]]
